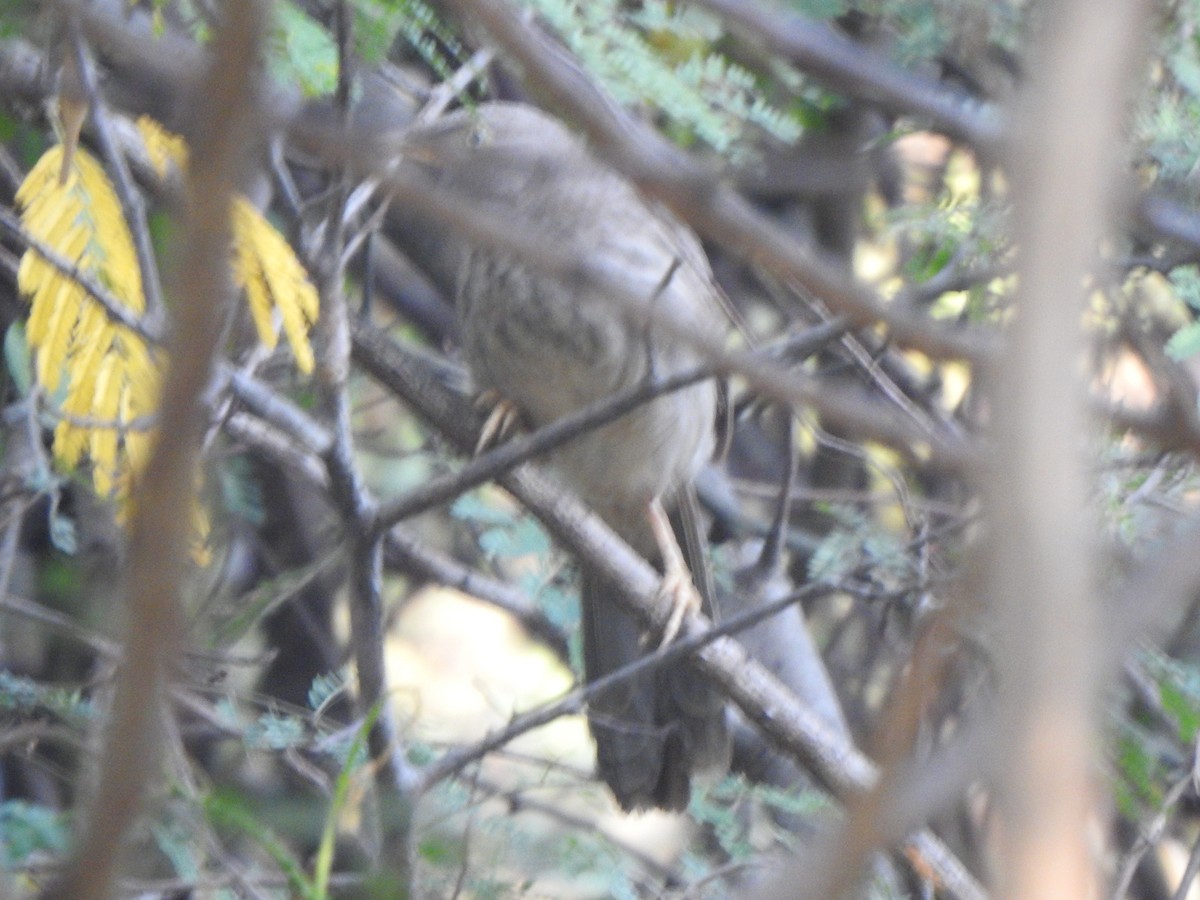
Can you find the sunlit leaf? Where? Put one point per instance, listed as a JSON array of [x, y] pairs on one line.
[[107, 374], [273, 279], [166, 150], [111, 380], [263, 263]]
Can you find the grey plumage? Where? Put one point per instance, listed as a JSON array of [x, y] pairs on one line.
[[551, 347]]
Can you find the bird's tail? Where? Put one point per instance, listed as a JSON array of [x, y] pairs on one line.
[[652, 731]]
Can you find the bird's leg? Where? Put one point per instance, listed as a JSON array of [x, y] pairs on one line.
[[502, 420], [677, 585]]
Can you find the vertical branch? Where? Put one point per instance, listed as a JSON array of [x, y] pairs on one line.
[[1041, 567], [223, 129], [358, 509]]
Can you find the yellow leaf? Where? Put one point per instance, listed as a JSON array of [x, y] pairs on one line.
[[60, 334], [271, 274], [164, 148], [55, 298], [69, 444], [105, 400], [40, 178], [201, 554], [111, 378], [248, 276], [263, 263], [139, 444]]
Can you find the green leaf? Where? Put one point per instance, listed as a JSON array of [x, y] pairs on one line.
[[929, 261], [267, 596], [560, 602], [275, 732], [17, 358], [28, 696], [666, 56], [324, 688], [323, 865], [524, 538], [821, 9], [302, 52], [228, 810], [794, 802], [473, 508], [712, 807], [1182, 709], [1186, 282], [164, 231], [1185, 342], [438, 850], [26, 829], [179, 846], [1138, 788], [62, 533], [378, 23], [13, 18], [1178, 690], [838, 554], [241, 493], [1186, 69], [420, 754]]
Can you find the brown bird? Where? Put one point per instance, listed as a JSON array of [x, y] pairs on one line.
[[549, 347]]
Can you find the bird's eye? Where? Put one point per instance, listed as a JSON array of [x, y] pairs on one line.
[[477, 136]]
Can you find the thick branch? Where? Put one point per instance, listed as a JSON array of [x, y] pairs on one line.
[[161, 529], [1041, 578]]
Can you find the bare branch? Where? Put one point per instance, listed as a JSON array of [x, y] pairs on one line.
[[846, 66], [773, 708], [160, 531]]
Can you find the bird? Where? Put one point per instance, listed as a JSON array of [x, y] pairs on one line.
[[548, 346]]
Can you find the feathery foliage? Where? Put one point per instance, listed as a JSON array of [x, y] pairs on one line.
[[662, 56], [109, 374], [102, 377], [264, 266]]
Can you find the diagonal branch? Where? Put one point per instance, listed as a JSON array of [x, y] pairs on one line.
[[845, 66], [696, 193], [836, 764], [514, 452]]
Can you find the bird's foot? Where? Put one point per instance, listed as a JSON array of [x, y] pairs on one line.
[[677, 585], [502, 420], [678, 589]]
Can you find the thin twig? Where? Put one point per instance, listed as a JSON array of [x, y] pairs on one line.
[[446, 92], [572, 702], [356, 507], [403, 552], [1149, 834], [519, 450], [113, 308], [131, 200], [519, 800]]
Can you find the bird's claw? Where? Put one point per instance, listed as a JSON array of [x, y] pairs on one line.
[[678, 588], [502, 420]]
